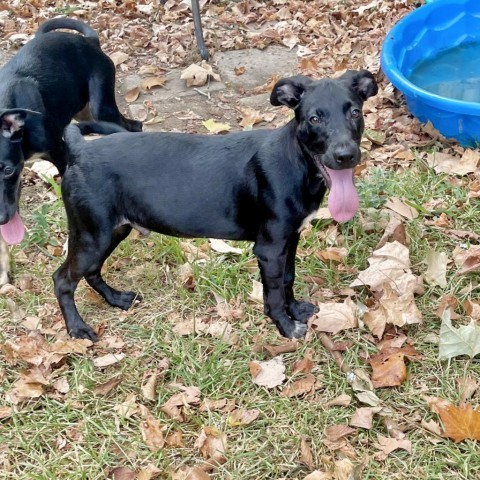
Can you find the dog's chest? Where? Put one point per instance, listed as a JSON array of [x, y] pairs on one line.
[[311, 216]]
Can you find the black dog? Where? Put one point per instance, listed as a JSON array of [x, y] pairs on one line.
[[259, 185], [50, 80]]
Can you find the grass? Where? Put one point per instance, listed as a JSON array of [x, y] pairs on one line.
[[79, 435]]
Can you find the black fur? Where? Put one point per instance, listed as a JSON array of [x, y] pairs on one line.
[[258, 185]]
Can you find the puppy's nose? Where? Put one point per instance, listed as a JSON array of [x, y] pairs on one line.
[[345, 154]]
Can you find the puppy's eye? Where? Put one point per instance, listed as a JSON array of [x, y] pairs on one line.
[[314, 119], [355, 113], [8, 172]]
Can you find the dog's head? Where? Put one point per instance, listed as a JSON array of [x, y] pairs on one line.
[[12, 124], [328, 113], [329, 126]]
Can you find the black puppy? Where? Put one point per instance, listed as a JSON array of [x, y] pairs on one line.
[[260, 185], [50, 80]]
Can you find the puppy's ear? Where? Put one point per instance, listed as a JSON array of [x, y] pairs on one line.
[[289, 91], [12, 123], [362, 82]]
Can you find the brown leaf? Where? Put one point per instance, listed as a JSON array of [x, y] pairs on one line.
[[241, 417], [333, 317], [174, 440], [190, 473], [152, 82], [387, 445], [401, 208], [343, 400], [212, 445], [152, 432], [461, 423], [250, 117], [467, 386], [175, 405], [132, 94], [337, 432], [271, 373], [108, 359], [305, 365], [149, 388], [334, 254], [389, 370], [122, 473], [318, 475], [119, 57], [127, 408], [107, 387], [299, 387], [363, 417], [306, 455], [5, 412], [239, 70]]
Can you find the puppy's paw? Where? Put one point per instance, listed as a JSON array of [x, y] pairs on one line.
[[82, 331], [302, 311], [292, 328], [123, 300]]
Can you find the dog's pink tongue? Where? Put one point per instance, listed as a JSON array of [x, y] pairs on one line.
[[13, 231], [343, 197]]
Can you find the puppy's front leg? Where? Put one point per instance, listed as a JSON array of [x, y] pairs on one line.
[[4, 262], [272, 259], [298, 310]]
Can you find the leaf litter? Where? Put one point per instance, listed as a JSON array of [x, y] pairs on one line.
[[169, 43]]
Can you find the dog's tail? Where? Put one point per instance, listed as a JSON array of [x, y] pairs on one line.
[[73, 135], [68, 23]]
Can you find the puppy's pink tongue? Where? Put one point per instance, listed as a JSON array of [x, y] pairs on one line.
[[343, 197], [13, 231]]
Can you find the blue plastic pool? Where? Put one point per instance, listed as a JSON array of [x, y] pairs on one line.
[[421, 36]]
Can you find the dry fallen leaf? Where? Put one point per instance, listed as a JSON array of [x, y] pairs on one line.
[[333, 317], [393, 309], [306, 455], [152, 82], [174, 407], [221, 246], [387, 445], [389, 369], [241, 417], [446, 163], [299, 387], [461, 423], [119, 57], [132, 94], [436, 273], [108, 359], [305, 365], [401, 208], [390, 264], [363, 417], [256, 294], [337, 432], [149, 388], [213, 446], [122, 473], [152, 432], [270, 373], [342, 400], [318, 475], [215, 127], [190, 473]]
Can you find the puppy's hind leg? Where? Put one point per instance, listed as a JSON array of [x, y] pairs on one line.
[[103, 105], [115, 298], [298, 310], [84, 254]]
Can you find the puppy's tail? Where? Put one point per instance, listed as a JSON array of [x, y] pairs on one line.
[[68, 23], [73, 135]]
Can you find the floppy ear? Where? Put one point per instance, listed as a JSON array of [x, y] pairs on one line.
[[12, 123], [362, 82], [289, 91]]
